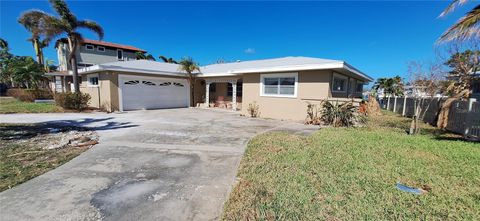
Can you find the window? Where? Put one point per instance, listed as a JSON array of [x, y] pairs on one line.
[[132, 82], [149, 83], [92, 81], [120, 54], [239, 89], [101, 48], [359, 88], [89, 47], [279, 85], [339, 83], [178, 84], [165, 84]]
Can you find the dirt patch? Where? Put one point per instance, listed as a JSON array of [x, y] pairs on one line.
[[29, 150]]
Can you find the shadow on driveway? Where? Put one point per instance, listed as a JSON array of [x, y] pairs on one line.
[[25, 131]]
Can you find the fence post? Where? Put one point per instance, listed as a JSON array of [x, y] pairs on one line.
[[468, 122], [395, 104], [388, 102], [404, 105]]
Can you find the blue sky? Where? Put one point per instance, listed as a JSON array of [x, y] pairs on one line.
[[377, 37]]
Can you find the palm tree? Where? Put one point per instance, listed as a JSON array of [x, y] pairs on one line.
[[144, 56], [68, 24], [32, 21], [168, 60], [390, 86], [189, 66], [466, 27]]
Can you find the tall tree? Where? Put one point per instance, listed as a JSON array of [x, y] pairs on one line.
[[167, 60], [466, 27], [390, 86], [67, 23], [189, 66], [33, 21], [25, 71]]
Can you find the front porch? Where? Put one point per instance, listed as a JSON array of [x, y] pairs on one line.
[[219, 93]]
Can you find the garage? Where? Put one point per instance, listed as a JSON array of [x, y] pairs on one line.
[[140, 92]]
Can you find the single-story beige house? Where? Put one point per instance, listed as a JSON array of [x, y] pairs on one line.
[[281, 87]]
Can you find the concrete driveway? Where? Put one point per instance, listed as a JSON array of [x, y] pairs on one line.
[[175, 164]]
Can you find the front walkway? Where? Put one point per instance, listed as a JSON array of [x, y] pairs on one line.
[[175, 164]]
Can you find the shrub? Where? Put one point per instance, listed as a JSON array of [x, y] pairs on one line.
[[340, 114], [253, 109], [313, 114], [29, 95], [72, 101]]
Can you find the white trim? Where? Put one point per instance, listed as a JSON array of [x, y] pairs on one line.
[[279, 75], [340, 76], [123, 57], [88, 45], [120, 94], [98, 48], [92, 76]]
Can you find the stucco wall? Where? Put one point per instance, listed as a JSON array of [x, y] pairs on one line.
[[101, 96], [313, 86]]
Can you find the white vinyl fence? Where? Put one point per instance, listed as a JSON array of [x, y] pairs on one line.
[[463, 118]]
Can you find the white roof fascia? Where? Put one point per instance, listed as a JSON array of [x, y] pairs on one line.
[[97, 68], [356, 71], [276, 69]]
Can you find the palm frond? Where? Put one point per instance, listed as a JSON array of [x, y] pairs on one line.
[[33, 21], [465, 28], [61, 7], [3, 44], [93, 26], [452, 6]]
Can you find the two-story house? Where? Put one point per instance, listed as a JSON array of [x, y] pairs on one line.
[[89, 53]]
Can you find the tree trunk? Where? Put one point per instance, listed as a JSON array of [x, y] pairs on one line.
[[72, 44], [76, 84], [442, 121], [38, 51]]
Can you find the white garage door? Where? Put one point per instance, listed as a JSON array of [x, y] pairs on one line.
[[153, 93]]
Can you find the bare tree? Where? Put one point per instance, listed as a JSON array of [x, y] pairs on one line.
[[425, 81]]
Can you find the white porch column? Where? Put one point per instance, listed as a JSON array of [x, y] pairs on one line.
[[234, 95], [207, 93]]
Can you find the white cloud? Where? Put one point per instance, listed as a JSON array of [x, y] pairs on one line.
[[249, 51]]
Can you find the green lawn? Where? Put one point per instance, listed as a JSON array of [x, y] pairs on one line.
[[11, 105], [350, 174]]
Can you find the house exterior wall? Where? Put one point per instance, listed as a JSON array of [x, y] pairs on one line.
[[91, 57], [104, 95], [85, 56], [313, 87]]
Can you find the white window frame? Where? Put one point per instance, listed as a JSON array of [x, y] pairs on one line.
[[89, 49], [279, 75], [92, 76], [123, 57], [339, 76], [98, 48]]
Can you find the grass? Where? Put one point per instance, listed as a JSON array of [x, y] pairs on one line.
[[21, 158], [10, 105], [350, 174]]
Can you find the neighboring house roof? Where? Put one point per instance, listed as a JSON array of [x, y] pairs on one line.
[[230, 69], [106, 44], [58, 73]]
